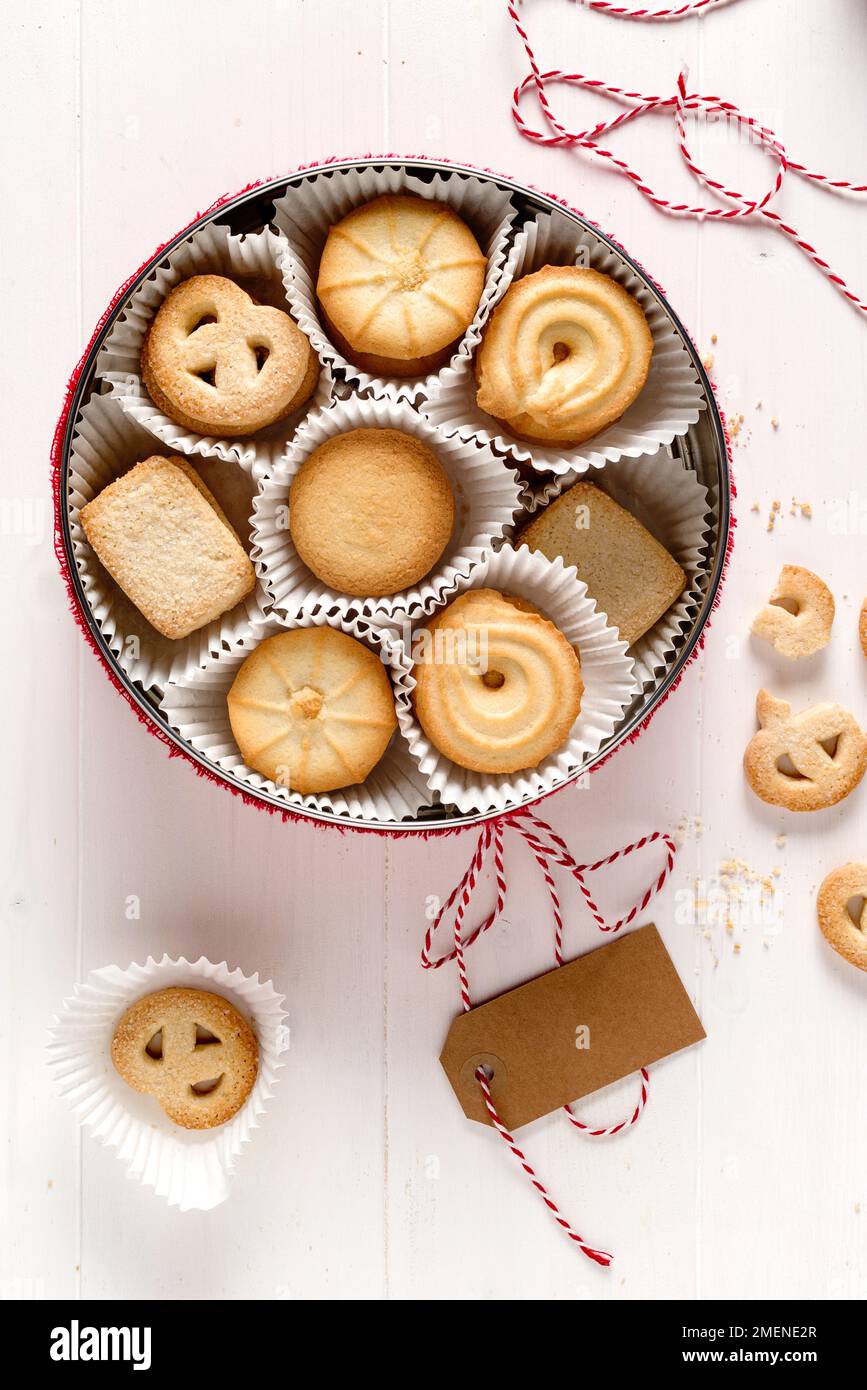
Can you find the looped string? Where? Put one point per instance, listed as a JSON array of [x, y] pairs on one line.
[[638, 104], [550, 852]]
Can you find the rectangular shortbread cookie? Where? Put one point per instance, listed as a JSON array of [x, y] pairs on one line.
[[164, 539], [631, 576]]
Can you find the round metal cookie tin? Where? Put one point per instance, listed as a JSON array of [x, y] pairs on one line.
[[702, 450]]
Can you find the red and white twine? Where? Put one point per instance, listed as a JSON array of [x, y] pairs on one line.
[[638, 104], [550, 852]]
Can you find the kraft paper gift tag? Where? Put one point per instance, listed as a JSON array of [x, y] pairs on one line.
[[571, 1031]]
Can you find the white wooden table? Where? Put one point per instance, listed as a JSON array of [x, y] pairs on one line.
[[744, 1177]]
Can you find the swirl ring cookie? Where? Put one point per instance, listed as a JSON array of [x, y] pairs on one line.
[[806, 761], [565, 353], [217, 362], [312, 709], [498, 686], [192, 1051], [848, 938]]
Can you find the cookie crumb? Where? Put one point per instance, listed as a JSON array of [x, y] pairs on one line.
[[775, 424]]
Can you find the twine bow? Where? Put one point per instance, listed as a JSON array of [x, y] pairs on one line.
[[680, 103], [550, 852]]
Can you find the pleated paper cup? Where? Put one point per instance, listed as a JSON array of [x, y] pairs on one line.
[[254, 259], [189, 1168], [107, 442], [668, 499], [486, 492], [197, 710], [307, 210], [606, 670], [670, 401]]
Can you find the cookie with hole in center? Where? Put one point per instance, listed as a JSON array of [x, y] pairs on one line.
[[192, 1051], [845, 932], [218, 363], [798, 617], [498, 686], [806, 761]]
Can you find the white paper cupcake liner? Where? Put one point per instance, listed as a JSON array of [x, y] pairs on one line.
[[668, 404], [190, 1169], [307, 210], [213, 250], [197, 710], [675, 507], [106, 443], [606, 669], [486, 491]]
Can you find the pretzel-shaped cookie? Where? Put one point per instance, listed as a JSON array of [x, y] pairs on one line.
[[808, 628], [804, 761], [839, 928], [217, 362], [192, 1051]]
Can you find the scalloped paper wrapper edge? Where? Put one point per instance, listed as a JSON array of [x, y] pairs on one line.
[[606, 669], [670, 401], [487, 498], [674, 506], [196, 709], [106, 440], [217, 251], [306, 211], [190, 1169]]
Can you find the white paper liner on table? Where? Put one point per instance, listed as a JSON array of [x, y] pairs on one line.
[[307, 210], [189, 1168], [668, 404], [213, 250], [606, 670], [486, 492], [675, 507], [197, 710], [106, 443]]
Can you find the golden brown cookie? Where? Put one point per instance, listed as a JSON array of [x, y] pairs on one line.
[[848, 937], [192, 1051], [498, 686], [371, 511], [313, 709], [164, 539], [862, 627], [797, 620], [219, 363], [804, 761], [565, 353], [631, 576], [400, 281]]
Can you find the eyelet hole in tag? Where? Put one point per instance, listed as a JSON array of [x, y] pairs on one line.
[[493, 1067]]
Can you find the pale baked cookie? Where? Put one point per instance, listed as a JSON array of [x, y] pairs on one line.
[[371, 511], [564, 354], [399, 282], [218, 363], [804, 761], [631, 576], [313, 709], [192, 1051], [498, 686], [804, 628], [164, 539], [840, 930]]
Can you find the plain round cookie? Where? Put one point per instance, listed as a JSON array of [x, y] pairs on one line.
[[218, 363], [174, 1041], [848, 939], [399, 283], [312, 709], [499, 686], [371, 512], [564, 354]]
